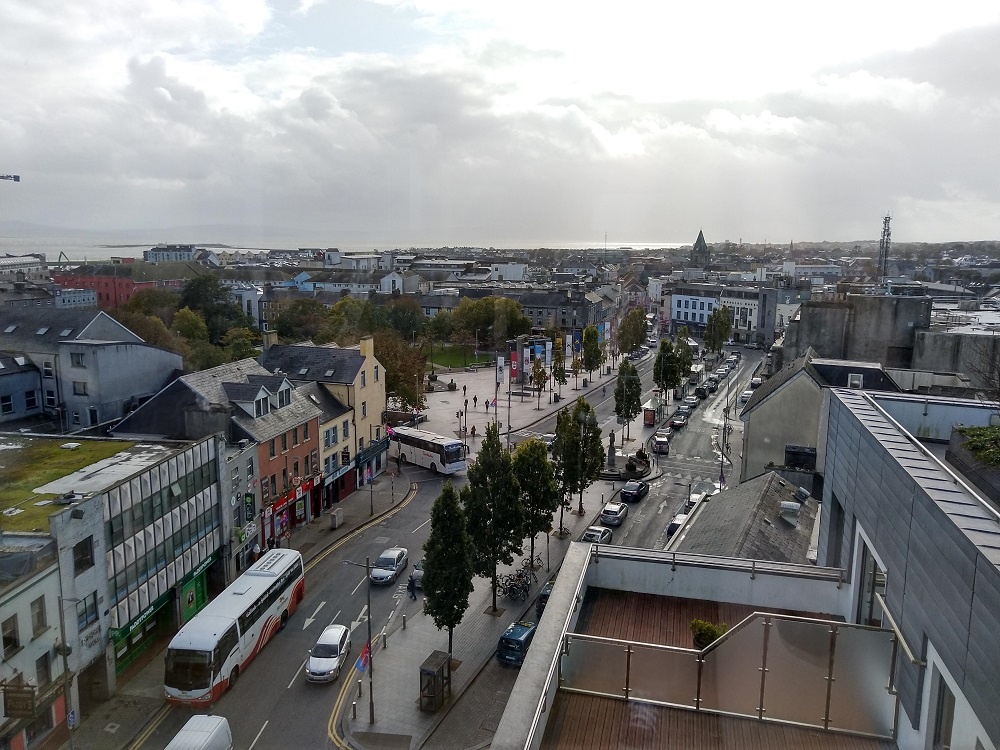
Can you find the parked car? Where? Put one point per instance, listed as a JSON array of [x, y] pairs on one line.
[[634, 490], [417, 574], [613, 514], [513, 644], [685, 410], [691, 401], [722, 373], [712, 386], [548, 438], [701, 392], [546, 592], [597, 534], [755, 383], [675, 523], [745, 396], [678, 420], [328, 656], [389, 565], [751, 345], [661, 444]]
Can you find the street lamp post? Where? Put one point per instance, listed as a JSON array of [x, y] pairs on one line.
[[67, 682], [371, 655]]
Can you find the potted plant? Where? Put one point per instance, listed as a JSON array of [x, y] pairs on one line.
[[706, 633]]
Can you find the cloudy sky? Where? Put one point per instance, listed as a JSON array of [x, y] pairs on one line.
[[512, 124]]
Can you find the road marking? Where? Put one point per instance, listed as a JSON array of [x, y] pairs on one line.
[[659, 510], [294, 677], [363, 617], [310, 620], [334, 620], [421, 526], [359, 585], [258, 736]]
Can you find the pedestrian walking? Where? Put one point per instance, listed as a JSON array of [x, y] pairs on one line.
[[473, 432], [463, 390], [475, 401], [411, 587]]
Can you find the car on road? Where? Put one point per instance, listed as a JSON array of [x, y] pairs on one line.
[[389, 565], [751, 345], [745, 396], [597, 534], [711, 385], [661, 443], [613, 514], [685, 411], [691, 401], [634, 490], [678, 420], [756, 383], [701, 392], [513, 644], [328, 656], [417, 574], [548, 438], [675, 523], [722, 373], [546, 592]]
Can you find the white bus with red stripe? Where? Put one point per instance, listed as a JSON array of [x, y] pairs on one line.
[[210, 652]]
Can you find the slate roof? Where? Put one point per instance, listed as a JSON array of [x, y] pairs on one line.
[[11, 362], [241, 392], [141, 271], [323, 364], [41, 329], [746, 521]]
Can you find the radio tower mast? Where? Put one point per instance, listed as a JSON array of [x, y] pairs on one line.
[[884, 245]]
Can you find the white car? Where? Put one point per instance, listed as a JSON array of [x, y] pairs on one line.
[[597, 534], [745, 396], [327, 657]]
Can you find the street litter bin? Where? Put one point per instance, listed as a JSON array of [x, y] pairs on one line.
[[336, 518], [584, 382], [555, 398]]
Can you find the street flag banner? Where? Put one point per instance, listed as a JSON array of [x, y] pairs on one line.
[[368, 475], [548, 353], [500, 370], [513, 366], [494, 402], [365, 659], [577, 340]]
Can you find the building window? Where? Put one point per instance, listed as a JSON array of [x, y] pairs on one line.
[[83, 555], [702, 305], [284, 397], [76, 359], [31, 399], [11, 640], [361, 444], [274, 485], [79, 388], [6, 404], [261, 407], [270, 448], [376, 373], [284, 480], [346, 426], [249, 467], [305, 433], [46, 369], [687, 304], [295, 436], [43, 674], [284, 442], [364, 409], [86, 611], [39, 622], [364, 379]]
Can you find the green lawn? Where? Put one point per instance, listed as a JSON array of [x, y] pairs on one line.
[[27, 463], [457, 356]]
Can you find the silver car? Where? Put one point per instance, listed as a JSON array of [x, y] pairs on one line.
[[327, 657], [389, 565]]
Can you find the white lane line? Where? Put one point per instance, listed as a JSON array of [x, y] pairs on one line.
[[359, 585], [334, 620], [294, 678], [258, 736], [421, 526]]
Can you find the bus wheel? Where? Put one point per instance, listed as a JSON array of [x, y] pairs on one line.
[[434, 468], [284, 620], [233, 677]]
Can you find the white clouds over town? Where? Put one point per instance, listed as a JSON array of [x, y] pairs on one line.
[[505, 124]]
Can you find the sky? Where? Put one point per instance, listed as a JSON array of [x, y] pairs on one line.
[[516, 124]]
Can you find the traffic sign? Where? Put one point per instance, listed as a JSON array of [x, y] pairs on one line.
[[71, 719]]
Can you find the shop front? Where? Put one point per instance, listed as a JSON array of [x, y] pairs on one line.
[[131, 641], [289, 511]]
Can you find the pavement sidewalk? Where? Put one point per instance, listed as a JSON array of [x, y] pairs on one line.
[[116, 723]]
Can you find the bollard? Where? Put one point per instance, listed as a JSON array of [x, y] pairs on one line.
[[354, 709], [359, 688], [404, 622], [383, 641]]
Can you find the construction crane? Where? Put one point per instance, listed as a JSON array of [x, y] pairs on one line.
[[14, 177], [884, 244]]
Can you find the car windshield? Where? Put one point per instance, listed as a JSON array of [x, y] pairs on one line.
[[386, 562], [591, 536], [325, 650], [631, 486]]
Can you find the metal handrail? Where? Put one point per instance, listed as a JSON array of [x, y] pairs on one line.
[[899, 633]]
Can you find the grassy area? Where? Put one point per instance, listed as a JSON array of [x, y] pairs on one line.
[[27, 463], [457, 356]]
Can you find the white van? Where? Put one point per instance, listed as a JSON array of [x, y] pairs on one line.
[[203, 733]]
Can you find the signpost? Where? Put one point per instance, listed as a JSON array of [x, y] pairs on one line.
[[19, 701]]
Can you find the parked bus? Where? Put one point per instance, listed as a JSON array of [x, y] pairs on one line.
[[208, 654], [421, 448]]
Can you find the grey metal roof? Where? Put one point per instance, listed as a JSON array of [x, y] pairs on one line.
[[324, 364], [241, 392], [746, 521], [41, 329]]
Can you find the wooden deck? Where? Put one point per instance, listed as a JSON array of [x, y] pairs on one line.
[[586, 722], [582, 722], [663, 620]]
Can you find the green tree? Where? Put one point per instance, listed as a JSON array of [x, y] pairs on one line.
[[539, 491], [666, 373], [538, 378], [210, 297], [718, 328], [406, 317], [439, 329], [592, 354], [151, 329], [302, 320], [240, 343], [463, 338], [404, 369], [204, 355], [577, 451], [632, 331], [448, 571], [628, 395], [190, 326], [158, 302], [682, 349], [492, 501], [577, 369], [559, 370]]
